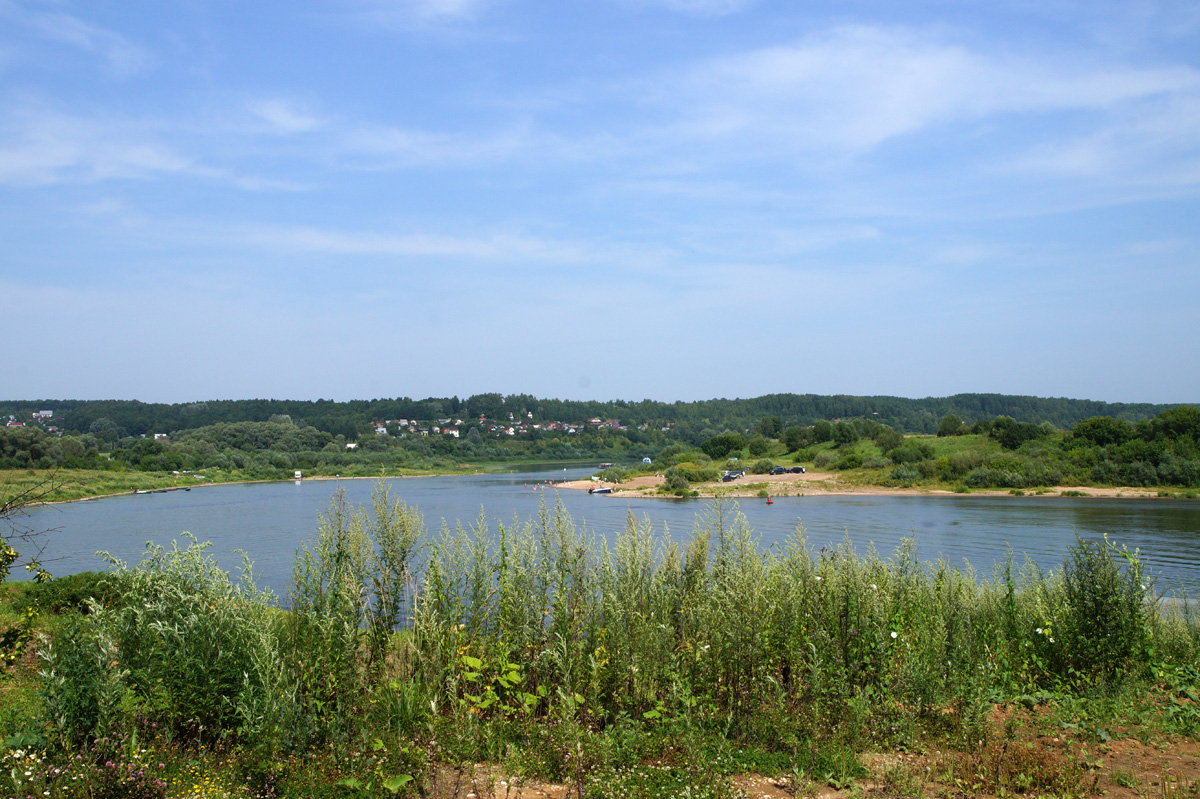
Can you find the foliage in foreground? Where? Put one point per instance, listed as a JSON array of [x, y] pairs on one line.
[[568, 657]]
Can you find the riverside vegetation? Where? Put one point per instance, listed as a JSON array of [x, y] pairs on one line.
[[1156, 447], [473, 659]]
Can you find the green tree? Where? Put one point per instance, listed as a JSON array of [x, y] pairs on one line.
[[676, 482], [721, 445], [822, 431], [794, 438], [758, 446], [888, 439], [770, 426], [845, 433], [951, 425]]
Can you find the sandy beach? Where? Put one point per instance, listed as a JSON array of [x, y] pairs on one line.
[[817, 483]]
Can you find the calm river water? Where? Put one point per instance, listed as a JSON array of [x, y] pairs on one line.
[[270, 520]]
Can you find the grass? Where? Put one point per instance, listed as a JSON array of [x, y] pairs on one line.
[[638, 666], [66, 485]]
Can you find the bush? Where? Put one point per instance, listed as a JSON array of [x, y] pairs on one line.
[[905, 474], [721, 445], [697, 473], [851, 460], [1110, 609], [911, 451], [676, 482], [762, 466], [70, 594], [825, 458]]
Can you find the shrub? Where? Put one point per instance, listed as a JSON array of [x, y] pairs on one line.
[[1109, 608], [825, 458], [675, 480], [762, 466], [851, 460], [70, 593], [911, 451], [721, 445], [905, 474]]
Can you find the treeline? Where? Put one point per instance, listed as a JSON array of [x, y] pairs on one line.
[[691, 422], [273, 449], [1005, 453]]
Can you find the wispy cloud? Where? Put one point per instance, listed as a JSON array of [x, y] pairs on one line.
[[1153, 144], [498, 247], [403, 14], [850, 89], [704, 8], [283, 117], [121, 56], [43, 146]]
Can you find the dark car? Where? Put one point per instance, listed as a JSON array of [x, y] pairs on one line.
[[779, 470], [729, 478], [797, 470]]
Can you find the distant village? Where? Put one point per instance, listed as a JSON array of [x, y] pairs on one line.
[[40, 418], [513, 427], [453, 427]]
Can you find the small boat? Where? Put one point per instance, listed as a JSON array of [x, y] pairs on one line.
[[600, 490]]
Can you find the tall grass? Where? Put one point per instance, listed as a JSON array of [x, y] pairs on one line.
[[495, 636]]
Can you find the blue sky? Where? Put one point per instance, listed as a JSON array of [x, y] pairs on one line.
[[664, 199]]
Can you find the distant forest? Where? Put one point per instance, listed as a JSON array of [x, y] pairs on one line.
[[1018, 442], [688, 422]]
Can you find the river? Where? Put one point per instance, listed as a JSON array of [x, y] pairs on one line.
[[269, 521]]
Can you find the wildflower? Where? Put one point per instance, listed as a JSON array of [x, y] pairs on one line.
[[875, 586], [1039, 630], [895, 634]]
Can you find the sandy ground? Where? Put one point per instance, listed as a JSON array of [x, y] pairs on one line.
[[818, 483]]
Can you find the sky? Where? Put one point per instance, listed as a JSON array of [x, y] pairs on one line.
[[599, 199]]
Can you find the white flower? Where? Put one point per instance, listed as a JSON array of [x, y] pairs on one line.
[[1051, 640], [875, 586], [895, 634], [1039, 630], [818, 579]]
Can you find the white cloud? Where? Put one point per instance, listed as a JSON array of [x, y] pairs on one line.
[[284, 117], [39, 146], [508, 247], [42, 146], [406, 13], [122, 56], [850, 89], [704, 8]]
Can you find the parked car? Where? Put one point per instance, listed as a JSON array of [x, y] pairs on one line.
[[797, 470], [780, 470]]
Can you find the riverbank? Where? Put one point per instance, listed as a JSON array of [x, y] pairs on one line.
[[82, 486], [825, 483]]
